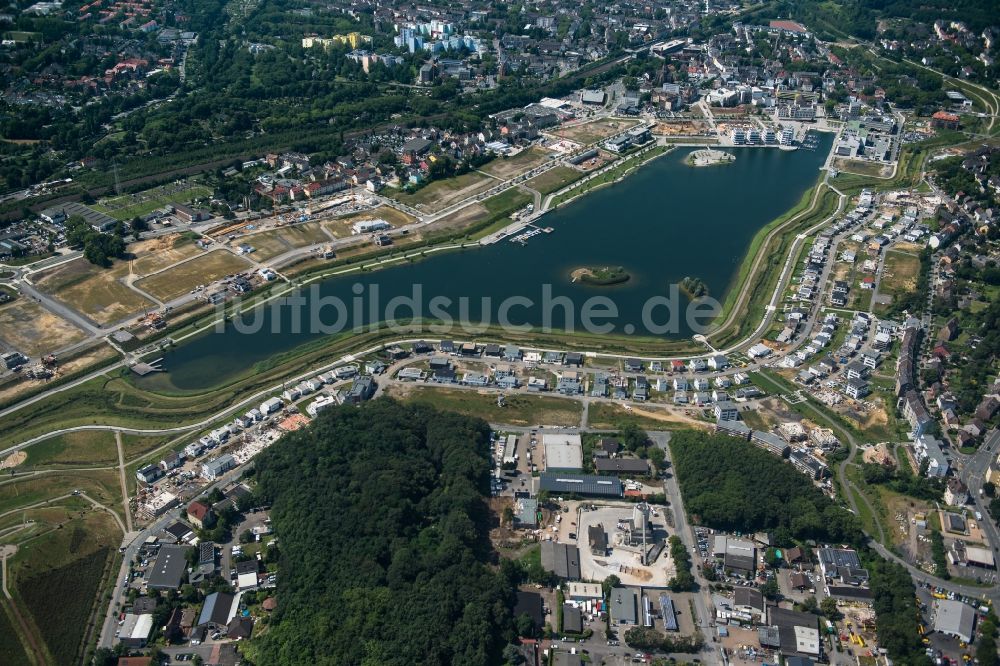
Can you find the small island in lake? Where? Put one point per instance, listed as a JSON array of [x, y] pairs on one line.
[[709, 157], [693, 287], [600, 275]]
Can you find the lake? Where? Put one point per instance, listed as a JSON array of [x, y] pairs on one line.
[[663, 223]]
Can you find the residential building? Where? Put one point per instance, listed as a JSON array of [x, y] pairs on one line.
[[213, 469]]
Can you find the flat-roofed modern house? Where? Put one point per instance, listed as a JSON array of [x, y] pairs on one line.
[[213, 469]]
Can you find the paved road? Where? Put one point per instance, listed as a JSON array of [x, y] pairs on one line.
[[702, 599]]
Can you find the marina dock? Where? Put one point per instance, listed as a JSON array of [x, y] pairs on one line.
[[531, 232], [519, 231]]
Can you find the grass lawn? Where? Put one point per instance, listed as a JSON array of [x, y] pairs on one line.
[[508, 167], [440, 194], [519, 409], [101, 484], [554, 179], [508, 200], [28, 327], [96, 292], [11, 648], [135, 446], [182, 278], [269, 244], [79, 449], [900, 273]]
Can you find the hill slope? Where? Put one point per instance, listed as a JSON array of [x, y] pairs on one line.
[[383, 527]]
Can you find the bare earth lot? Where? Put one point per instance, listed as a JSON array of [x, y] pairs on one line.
[[95, 292], [28, 327], [440, 194], [340, 227], [594, 130], [899, 276], [269, 244], [182, 278], [519, 410], [157, 253], [509, 167]]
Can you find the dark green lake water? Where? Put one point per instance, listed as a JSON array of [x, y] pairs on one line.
[[663, 223]]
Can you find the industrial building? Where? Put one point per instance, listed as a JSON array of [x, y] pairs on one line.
[[580, 484], [563, 453], [561, 559], [624, 606], [618, 466], [167, 572], [668, 613], [954, 618], [135, 630], [736, 554]]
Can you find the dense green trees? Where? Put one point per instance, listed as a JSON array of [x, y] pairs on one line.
[[650, 639], [733, 485], [683, 580], [383, 527], [986, 646], [98, 248], [896, 612]]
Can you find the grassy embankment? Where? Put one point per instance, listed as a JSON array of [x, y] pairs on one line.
[[620, 170], [750, 311]]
